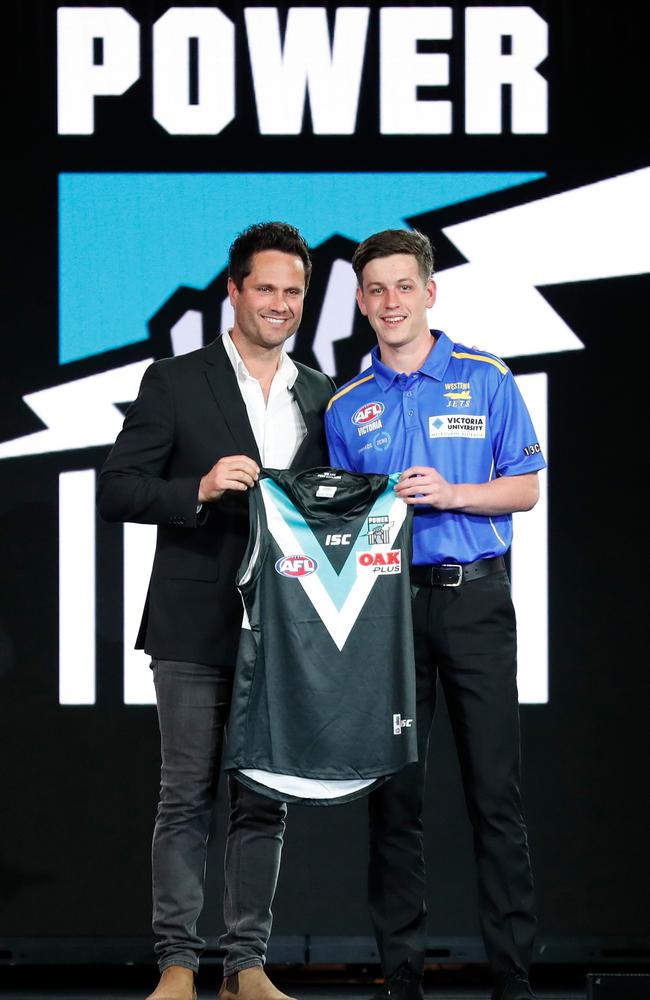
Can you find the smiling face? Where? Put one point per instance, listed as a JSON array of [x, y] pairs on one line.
[[395, 299], [268, 306]]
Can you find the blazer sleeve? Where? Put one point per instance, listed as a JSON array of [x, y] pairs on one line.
[[132, 482]]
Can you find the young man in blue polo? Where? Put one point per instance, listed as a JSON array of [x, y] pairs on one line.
[[451, 419]]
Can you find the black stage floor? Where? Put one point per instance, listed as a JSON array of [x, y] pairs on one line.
[[95, 992], [123, 983]]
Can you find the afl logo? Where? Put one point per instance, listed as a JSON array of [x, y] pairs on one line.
[[296, 566], [367, 412]]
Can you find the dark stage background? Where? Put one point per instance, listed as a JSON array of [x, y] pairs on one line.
[[116, 256]]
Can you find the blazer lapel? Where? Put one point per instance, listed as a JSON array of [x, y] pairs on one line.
[[313, 424], [223, 383]]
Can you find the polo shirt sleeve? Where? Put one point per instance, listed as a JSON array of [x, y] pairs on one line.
[[338, 450], [515, 444]]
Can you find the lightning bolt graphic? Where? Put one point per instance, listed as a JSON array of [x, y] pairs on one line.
[[591, 232], [596, 231], [79, 414]]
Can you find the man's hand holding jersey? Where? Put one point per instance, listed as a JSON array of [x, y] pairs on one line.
[[421, 484], [232, 472]]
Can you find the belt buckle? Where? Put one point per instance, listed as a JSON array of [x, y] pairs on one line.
[[457, 566]]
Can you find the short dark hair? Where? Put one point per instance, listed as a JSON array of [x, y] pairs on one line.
[[265, 236], [392, 241]]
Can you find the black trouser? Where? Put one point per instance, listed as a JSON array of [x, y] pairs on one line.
[[466, 636], [193, 703]]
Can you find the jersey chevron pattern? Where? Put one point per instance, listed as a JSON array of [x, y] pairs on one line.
[[323, 706]]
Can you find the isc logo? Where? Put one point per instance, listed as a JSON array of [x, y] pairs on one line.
[[399, 724], [367, 412], [338, 539], [380, 562], [296, 566]]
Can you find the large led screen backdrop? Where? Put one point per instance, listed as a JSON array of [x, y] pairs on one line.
[[147, 136]]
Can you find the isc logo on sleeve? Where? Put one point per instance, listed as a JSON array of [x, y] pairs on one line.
[[399, 724]]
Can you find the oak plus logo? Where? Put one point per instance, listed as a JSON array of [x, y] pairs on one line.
[[383, 562]]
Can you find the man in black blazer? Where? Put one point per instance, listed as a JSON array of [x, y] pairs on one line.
[[192, 444]]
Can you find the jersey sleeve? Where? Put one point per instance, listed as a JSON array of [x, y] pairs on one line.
[[515, 443]]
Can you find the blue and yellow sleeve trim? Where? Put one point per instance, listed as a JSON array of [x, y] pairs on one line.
[[479, 357], [348, 388]]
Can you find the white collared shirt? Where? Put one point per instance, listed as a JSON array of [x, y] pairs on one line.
[[277, 424]]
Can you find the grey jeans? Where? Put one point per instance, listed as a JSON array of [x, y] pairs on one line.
[[193, 701]]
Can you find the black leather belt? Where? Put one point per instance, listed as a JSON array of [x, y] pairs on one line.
[[453, 574]]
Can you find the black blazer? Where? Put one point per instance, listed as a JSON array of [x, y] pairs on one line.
[[189, 413]]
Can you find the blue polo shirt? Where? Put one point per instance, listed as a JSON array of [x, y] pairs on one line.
[[461, 413]]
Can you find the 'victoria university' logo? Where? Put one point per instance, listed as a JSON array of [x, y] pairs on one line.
[[445, 426]]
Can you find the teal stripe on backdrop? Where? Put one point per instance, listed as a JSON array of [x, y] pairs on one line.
[[127, 241]]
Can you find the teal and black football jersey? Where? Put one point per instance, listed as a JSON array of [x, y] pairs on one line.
[[323, 706]]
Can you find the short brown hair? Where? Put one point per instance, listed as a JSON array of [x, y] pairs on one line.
[[392, 241], [265, 236]]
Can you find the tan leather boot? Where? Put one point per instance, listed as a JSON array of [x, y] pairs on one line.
[[176, 983], [250, 984]]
